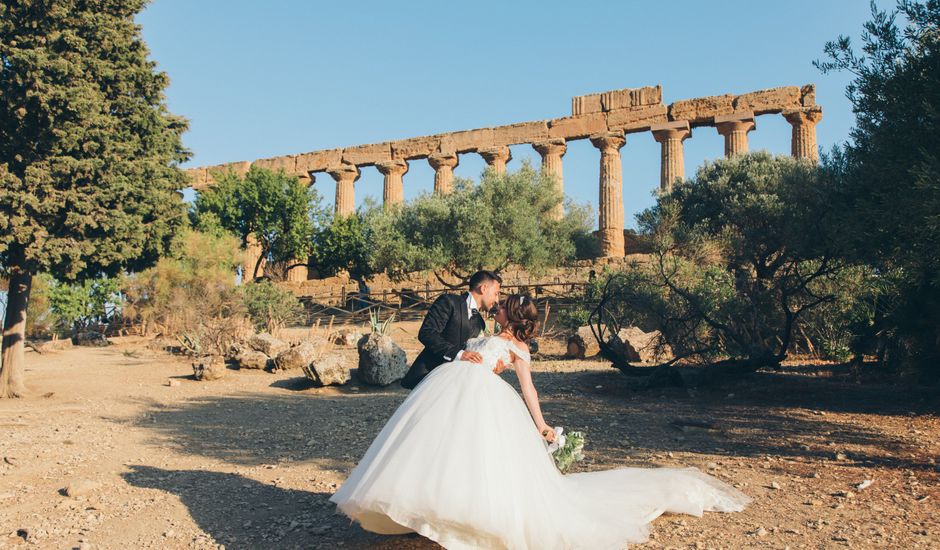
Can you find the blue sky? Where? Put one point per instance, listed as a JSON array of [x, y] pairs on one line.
[[261, 79]]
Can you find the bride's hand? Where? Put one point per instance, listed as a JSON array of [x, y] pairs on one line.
[[548, 433]]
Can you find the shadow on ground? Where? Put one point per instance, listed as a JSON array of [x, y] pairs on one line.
[[787, 416], [243, 513]]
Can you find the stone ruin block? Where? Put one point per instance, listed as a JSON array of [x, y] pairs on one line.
[[585, 104], [636, 119], [808, 95], [773, 100], [198, 177], [419, 147], [577, 127], [524, 132], [701, 110], [241, 168], [288, 164], [367, 155], [626, 98], [467, 141], [318, 161], [629, 98]]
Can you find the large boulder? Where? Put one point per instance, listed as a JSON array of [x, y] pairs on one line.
[[582, 344], [637, 346], [48, 346], [253, 359], [267, 344], [299, 356], [381, 361], [209, 367], [91, 338], [328, 370]]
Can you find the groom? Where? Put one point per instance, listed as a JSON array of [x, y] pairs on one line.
[[452, 320]]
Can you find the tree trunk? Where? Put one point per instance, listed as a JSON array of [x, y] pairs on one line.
[[14, 335]]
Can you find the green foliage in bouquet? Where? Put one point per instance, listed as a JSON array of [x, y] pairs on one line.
[[570, 452]]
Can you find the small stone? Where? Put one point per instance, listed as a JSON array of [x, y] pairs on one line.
[[81, 487], [863, 485], [774, 485], [172, 383], [169, 534], [760, 532], [841, 456]]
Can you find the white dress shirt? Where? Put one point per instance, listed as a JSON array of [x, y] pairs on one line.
[[471, 305]]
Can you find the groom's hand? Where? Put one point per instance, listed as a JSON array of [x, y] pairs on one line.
[[500, 366], [471, 356]]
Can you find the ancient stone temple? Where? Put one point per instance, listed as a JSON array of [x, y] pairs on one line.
[[604, 118]]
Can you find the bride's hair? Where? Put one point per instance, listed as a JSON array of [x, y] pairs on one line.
[[523, 316]]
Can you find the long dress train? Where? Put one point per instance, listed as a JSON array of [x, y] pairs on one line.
[[461, 463]]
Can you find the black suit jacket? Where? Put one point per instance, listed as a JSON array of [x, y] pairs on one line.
[[444, 332]]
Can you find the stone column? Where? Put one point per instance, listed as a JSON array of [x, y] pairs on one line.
[[671, 135], [393, 171], [497, 158], [443, 165], [735, 128], [299, 273], [610, 219], [804, 123], [345, 176], [552, 151], [252, 253]]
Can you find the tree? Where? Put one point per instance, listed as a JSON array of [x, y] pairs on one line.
[[502, 221], [341, 244], [273, 209], [742, 252], [190, 294], [89, 152], [891, 173]]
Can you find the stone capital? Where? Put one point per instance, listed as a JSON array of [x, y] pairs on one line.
[[392, 168], [551, 147], [808, 116], [735, 122], [343, 172], [493, 155], [440, 160], [609, 141], [671, 130]]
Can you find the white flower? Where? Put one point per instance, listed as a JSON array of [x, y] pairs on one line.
[[559, 440]]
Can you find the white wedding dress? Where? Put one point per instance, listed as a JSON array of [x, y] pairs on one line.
[[461, 463]]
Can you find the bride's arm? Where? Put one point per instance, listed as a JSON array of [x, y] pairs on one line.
[[531, 397]]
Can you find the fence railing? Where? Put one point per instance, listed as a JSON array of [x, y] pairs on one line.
[[411, 303]]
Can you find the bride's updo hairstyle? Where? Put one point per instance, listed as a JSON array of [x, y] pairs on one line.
[[523, 316]]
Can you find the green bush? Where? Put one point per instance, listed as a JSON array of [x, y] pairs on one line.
[[269, 306]]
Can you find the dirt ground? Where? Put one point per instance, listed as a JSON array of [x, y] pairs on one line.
[[251, 460]]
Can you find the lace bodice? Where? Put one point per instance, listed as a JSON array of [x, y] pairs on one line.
[[493, 348]]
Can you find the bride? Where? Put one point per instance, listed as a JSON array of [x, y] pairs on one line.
[[463, 461]]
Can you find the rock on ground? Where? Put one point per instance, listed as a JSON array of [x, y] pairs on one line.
[[267, 344], [328, 370], [582, 344], [638, 346], [253, 359], [381, 361], [298, 356], [209, 367]]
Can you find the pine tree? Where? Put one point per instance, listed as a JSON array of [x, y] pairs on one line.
[[89, 152]]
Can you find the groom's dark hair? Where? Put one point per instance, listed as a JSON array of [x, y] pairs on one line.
[[481, 277]]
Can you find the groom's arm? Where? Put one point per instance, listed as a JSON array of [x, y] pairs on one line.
[[432, 329]]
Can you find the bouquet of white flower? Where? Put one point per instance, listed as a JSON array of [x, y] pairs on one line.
[[566, 449]]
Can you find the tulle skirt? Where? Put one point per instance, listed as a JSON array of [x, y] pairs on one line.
[[461, 463]]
